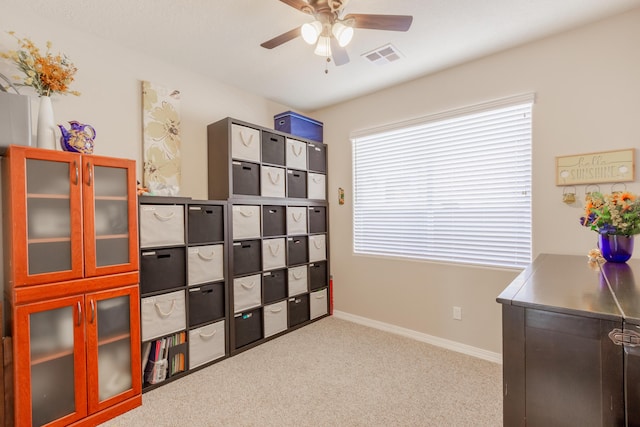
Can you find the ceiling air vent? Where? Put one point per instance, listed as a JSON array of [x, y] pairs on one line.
[[383, 55]]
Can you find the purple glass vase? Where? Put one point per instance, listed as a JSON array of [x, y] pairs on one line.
[[615, 248]]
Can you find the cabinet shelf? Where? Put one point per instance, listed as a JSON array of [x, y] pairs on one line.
[[47, 196], [114, 338], [111, 236], [116, 198], [51, 356], [49, 240]]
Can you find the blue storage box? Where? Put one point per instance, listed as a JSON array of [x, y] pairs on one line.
[[298, 125]]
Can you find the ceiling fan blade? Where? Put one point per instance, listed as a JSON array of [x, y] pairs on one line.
[[380, 22], [282, 38], [339, 54], [301, 5]]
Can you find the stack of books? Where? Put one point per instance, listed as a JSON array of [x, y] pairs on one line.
[[163, 357]]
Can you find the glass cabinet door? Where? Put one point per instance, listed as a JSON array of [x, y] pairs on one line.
[[113, 346], [46, 215], [110, 216], [52, 372]]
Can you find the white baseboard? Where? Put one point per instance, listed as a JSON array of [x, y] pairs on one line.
[[419, 336]]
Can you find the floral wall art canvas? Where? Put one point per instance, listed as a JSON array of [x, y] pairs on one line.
[[161, 139]]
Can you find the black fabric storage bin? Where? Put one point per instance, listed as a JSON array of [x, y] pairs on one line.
[[317, 275], [297, 250], [317, 219], [206, 303], [273, 148], [246, 178], [274, 221], [296, 184], [248, 327], [274, 286], [247, 257], [317, 157], [206, 224], [298, 309], [162, 269]]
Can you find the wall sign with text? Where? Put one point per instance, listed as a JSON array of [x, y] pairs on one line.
[[596, 168]]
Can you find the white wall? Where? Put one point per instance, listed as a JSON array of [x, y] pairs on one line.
[[587, 83], [109, 78]]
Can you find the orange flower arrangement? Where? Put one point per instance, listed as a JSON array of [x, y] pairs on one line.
[[46, 73], [615, 213]]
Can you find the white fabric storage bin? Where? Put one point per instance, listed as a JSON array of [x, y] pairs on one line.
[[274, 254], [316, 186], [205, 264], [317, 247], [206, 344], [247, 292], [246, 222], [272, 181], [296, 220], [163, 315], [275, 318], [296, 154], [318, 304], [161, 225], [297, 282], [245, 143]]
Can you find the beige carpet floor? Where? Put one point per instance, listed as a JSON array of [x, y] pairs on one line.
[[331, 373]]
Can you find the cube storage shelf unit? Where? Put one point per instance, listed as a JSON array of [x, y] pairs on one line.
[[276, 186], [183, 282]]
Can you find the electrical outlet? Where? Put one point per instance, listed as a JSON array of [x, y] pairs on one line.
[[457, 313]]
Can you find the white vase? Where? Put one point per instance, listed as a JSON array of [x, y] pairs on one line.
[[46, 133]]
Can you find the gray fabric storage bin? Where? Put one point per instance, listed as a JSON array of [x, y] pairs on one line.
[[205, 264], [275, 318], [206, 344]]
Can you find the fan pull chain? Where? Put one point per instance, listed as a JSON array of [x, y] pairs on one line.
[[326, 66]]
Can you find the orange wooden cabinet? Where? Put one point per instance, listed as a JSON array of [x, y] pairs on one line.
[[71, 260]]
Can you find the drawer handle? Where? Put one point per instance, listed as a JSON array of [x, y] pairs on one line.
[[317, 244], [246, 214], [317, 179], [248, 286], [276, 309], [273, 211], [293, 215], [244, 141], [296, 276], [320, 296], [274, 252], [203, 335], [293, 148], [164, 218], [163, 314], [273, 181], [207, 257]]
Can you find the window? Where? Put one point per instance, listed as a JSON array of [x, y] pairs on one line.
[[451, 187]]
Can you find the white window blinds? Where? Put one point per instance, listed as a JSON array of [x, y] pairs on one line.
[[454, 187]]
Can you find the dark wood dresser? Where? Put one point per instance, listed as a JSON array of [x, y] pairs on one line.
[[571, 343]]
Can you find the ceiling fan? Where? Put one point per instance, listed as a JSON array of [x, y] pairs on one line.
[[330, 31]]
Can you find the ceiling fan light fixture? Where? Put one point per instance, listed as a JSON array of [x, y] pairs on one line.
[[323, 48], [311, 31], [342, 33]]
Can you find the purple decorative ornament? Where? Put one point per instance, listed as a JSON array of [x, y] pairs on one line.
[[615, 248], [78, 138]]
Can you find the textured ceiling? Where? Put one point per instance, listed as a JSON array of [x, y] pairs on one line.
[[221, 38]]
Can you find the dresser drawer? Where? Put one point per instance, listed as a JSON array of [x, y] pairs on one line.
[[205, 264], [206, 224], [161, 225], [162, 314]]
